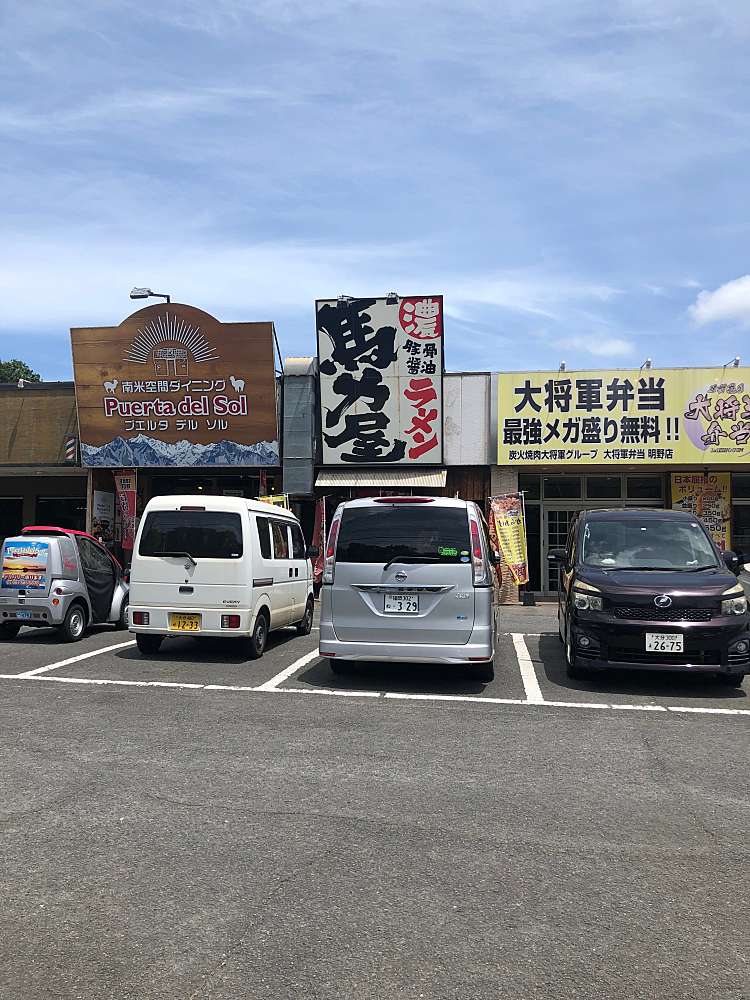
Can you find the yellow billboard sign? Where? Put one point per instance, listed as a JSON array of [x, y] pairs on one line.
[[686, 416]]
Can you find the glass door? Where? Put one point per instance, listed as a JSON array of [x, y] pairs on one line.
[[557, 521]]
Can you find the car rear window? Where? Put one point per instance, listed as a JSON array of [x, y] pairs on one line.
[[379, 533], [205, 534]]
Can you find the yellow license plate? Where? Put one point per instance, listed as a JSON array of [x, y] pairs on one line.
[[185, 623]]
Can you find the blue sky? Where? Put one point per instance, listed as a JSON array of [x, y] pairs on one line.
[[572, 176]]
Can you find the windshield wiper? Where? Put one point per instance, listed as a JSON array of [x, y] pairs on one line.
[[645, 569], [697, 569], [178, 555], [411, 559]]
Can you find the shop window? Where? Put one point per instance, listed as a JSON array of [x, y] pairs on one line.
[[645, 488], [529, 486], [562, 487], [11, 516], [62, 512], [740, 539], [603, 487], [740, 486]]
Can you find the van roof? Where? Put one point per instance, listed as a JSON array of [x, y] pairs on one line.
[[420, 501], [211, 502]]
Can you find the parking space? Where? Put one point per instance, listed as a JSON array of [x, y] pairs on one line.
[[529, 670]]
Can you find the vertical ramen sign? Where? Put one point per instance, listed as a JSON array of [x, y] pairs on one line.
[[172, 386], [381, 380]]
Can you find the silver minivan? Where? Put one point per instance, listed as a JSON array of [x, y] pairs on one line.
[[409, 579]]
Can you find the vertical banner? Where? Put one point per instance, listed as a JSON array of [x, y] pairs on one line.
[[708, 496], [381, 380], [319, 539], [125, 487], [508, 526]]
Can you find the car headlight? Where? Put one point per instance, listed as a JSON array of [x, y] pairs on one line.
[[587, 602], [734, 606]]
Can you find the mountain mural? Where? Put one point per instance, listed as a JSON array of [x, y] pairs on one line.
[[146, 451]]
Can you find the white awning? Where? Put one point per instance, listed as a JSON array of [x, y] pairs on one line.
[[433, 479]]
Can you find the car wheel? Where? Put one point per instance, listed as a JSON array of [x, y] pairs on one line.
[[340, 667], [305, 626], [148, 644], [9, 630], [74, 624], [733, 679], [259, 638], [122, 622], [484, 672]]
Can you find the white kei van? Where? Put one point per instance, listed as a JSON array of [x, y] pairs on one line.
[[218, 566]]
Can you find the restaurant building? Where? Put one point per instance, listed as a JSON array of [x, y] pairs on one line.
[[581, 440]]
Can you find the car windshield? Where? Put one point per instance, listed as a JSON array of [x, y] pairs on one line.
[[651, 543], [201, 534], [383, 533]]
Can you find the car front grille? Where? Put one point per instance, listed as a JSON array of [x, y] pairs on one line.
[[644, 613], [707, 657]]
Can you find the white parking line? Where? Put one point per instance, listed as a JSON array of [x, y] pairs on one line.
[[75, 659], [274, 682], [528, 674]]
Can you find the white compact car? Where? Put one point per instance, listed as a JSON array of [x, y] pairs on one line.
[[218, 566]]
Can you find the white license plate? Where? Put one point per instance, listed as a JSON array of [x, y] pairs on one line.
[[401, 604], [664, 642]]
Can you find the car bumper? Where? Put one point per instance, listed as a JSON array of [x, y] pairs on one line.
[[210, 621], [43, 613], [479, 649], [617, 645]]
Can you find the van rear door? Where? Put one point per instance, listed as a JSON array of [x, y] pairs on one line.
[[403, 573], [191, 558]]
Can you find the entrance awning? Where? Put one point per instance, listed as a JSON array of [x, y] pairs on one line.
[[433, 479]]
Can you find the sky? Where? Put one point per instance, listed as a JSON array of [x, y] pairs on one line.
[[571, 176]]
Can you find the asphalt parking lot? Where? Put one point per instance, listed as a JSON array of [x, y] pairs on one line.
[[197, 825]]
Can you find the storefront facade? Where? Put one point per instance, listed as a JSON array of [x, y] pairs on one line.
[[41, 481], [173, 401], [572, 441]]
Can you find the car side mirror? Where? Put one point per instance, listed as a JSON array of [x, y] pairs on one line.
[[556, 555], [313, 551], [731, 561], [126, 575]]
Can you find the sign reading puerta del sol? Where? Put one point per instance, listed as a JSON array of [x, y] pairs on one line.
[[381, 379], [172, 386]]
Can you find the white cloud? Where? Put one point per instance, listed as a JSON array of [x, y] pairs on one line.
[[729, 303], [598, 345]]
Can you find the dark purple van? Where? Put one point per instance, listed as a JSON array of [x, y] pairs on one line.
[[649, 590]]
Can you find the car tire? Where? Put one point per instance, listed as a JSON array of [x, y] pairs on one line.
[[256, 644], [305, 626], [733, 679], [340, 667], [122, 622], [74, 623], [483, 672], [148, 644], [9, 630]]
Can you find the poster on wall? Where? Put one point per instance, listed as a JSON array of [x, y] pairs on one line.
[[508, 527], [172, 386], [381, 380], [708, 496], [642, 417], [103, 516], [126, 488], [24, 565]]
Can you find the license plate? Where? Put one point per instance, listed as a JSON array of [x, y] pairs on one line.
[[401, 604], [664, 642], [23, 615], [184, 623]]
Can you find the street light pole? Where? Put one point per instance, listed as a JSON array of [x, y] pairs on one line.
[[146, 293]]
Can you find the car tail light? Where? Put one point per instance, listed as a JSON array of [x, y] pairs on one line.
[[192, 508], [330, 560], [477, 556], [230, 621], [141, 617]]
